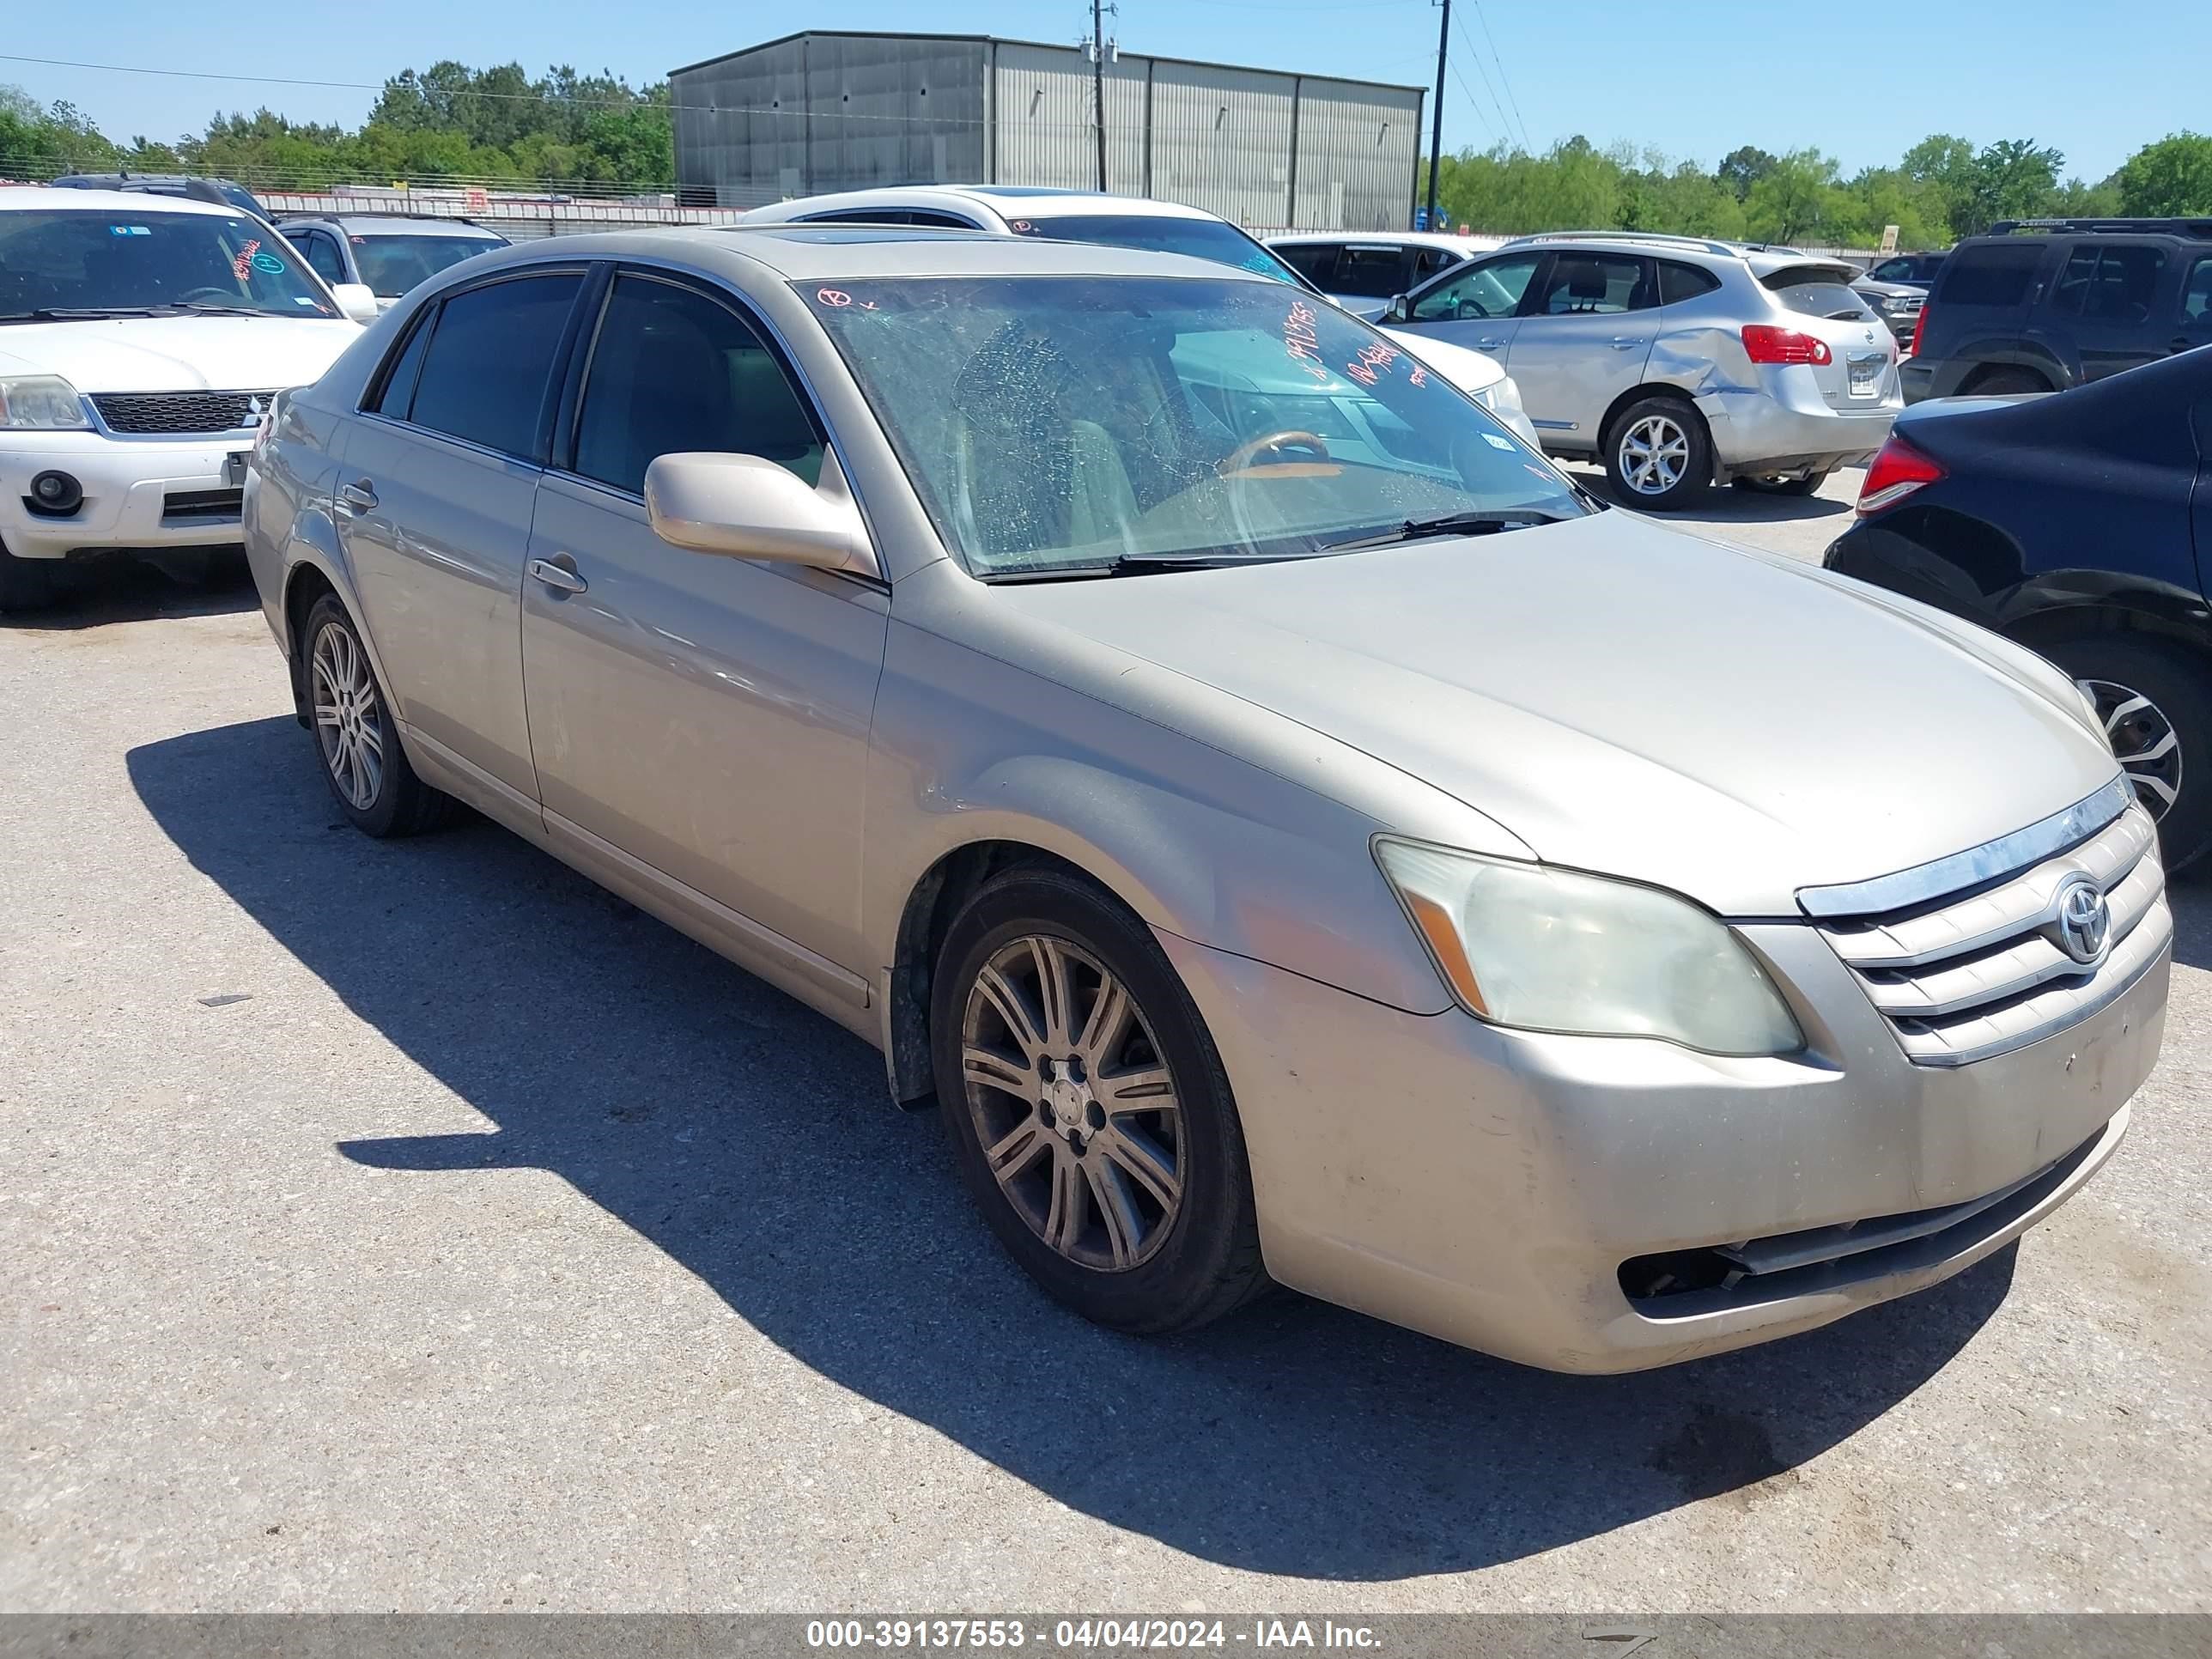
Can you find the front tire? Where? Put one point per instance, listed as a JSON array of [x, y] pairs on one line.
[[1658, 454], [1807, 485], [2157, 708], [1088, 1110], [367, 770], [26, 585]]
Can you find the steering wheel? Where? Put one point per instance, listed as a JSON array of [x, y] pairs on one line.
[[1241, 459], [1468, 310], [216, 294]]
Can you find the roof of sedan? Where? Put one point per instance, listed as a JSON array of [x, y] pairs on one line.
[[810, 253], [64, 200]]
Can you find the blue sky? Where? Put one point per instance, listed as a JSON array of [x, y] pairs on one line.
[[1695, 80]]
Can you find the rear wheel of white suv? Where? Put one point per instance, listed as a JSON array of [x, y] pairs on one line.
[[1658, 454]]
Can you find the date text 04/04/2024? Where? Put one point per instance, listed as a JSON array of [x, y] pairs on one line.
[[1084, 1634]]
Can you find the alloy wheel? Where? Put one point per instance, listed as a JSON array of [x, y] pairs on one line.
[[2144, 741], [1653, 452], [347, 723], [1074, 1102]]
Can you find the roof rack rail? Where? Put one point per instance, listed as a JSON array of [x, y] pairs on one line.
[[1705, 244], [2176, 227], [292, 217]]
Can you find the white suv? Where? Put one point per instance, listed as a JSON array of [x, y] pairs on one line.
[[140, 338]]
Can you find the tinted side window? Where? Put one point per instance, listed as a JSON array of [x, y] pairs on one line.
[[674, 370], [1893, 270], [321, 253], [1371, 273], [1679, 281], [1594, 284], [1995, 274], [938, 221], [1315, 261], [399, 390], [1430, 260], [485, 372], [2197, 294], [1491, 288]]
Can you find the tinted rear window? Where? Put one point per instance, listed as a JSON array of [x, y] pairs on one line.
[[1995, 274], [484, 375], [1814, 293], [1680, 282], [1371, 273]]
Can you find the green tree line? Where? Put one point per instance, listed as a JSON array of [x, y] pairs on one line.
[[454, 122], [1939, 190], [448, 121]]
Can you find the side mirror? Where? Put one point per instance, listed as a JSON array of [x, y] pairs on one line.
[[1401, 309], [356, 300], [745, 508]]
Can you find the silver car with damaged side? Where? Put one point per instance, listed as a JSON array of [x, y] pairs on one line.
[[1674, 362], [1293, 832]]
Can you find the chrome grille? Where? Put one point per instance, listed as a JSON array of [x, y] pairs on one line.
[[178, 411], [1981, 971]]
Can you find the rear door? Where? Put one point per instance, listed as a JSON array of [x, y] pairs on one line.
[[434, 505], [1583, 338], [2107, 297]]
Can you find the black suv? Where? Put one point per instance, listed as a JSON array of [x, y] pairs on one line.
[[1914, 270], [2040, 305]]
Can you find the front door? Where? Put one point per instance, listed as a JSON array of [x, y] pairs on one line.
[[1582, 339], [1475, 305], [706, 716], [434, 504]]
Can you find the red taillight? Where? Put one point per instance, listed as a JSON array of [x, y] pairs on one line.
[[1919, 327], [1767, 344], [1898, 469]]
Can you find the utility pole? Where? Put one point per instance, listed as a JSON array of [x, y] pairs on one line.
[[1436, 119], [1098, 78]]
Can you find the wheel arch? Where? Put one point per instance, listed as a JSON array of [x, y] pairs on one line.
[[1639, 393]]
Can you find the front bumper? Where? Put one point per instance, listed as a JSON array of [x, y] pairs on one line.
[[138, 493], [1489, 1186]]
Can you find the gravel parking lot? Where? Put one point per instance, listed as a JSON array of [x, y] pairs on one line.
[[412, 1226]]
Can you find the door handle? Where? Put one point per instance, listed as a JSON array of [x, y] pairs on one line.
[[557, 577], [1489, 343], [361, 493], [1626, 342]]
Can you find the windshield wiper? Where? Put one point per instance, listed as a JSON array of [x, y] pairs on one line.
[[1448, 524], [1133, 564], [78, 314]]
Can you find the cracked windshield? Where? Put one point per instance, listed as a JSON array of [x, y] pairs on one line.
[[1073, 424]]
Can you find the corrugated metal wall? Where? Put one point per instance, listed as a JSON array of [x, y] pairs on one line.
[[833, 111], [1355, 158], [828, 112]]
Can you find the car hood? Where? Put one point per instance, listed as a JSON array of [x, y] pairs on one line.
[[178, 354], [1633, 700]]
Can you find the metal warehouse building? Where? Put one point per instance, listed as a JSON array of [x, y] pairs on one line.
[[829, 110]]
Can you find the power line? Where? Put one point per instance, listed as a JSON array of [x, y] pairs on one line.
[[1505, 128], [1483, 18], [1458, 76]]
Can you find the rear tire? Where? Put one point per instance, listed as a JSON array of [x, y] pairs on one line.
[[355, 736], [1658, 454], [2165, 744], [26, 585], [2004, 383], [1808, 485], [1098, 1136]]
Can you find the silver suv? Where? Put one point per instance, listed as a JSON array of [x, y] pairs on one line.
[[387, 252], [1677, 363]]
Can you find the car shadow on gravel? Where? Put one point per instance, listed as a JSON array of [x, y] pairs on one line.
[[751, 1139], [125, 591]]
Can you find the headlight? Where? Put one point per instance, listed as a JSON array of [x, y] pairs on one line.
[[1545, 950], [43, 402]]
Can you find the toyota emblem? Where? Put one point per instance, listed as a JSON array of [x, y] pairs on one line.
[[2084, 920]]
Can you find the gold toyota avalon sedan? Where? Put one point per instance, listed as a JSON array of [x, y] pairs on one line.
[[1293, 832]]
